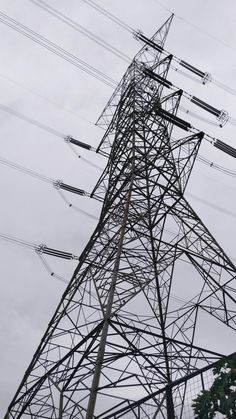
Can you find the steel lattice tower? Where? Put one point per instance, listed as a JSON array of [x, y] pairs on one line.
[[119, 340]]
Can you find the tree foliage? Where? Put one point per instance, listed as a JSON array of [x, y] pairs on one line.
[[221, 397]]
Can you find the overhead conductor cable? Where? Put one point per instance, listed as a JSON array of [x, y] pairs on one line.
[[221, 115], [41, 248], [204, 76], [56, 49], [81, 29]]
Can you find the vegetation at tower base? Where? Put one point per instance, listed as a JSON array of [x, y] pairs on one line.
[[221, 397]]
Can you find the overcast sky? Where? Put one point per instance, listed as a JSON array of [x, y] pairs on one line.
[[70, 101]]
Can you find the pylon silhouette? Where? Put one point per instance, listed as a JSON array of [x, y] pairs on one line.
[[120, 342]]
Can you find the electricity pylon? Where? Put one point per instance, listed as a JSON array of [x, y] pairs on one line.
[[120, 338]]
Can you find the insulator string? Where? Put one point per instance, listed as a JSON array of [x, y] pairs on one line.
[[63, 136], [122, 24]]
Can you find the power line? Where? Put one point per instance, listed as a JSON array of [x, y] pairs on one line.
[[41, 250], [231, 120], [70, 139], [53, 131], [109, 15], [79, 28], [52, 102], [221, 115], [196, 27], [216, 166], [59, 185], [25, 170], [57, 50], [38, 248], [206, 77], [214, 206], [56, 183], [196, 115], [32, 121]]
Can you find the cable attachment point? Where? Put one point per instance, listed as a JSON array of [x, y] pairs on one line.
[[137, 33], [44, 249], [74, 257], [57, 183], [70, 140], [40, 248], [67, 139], [207, 78], [223, 117]]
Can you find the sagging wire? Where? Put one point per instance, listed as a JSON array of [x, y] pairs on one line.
[[59, 185], [81, 29], [72, 141], [109, 15], [52, 102], [217, 83], [186, 126], [221, 115], [209, 204], [184, 74], [225, 87], [56, 183], [40, 250], [214, 165], [199, 157], [204, 80], [25, 170], [32, 121], [56, 49], [16, 240], [204, 76], [195, 115], [67, 138]]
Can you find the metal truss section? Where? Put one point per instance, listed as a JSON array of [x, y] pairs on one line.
[[146, 56], [121, 342]]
